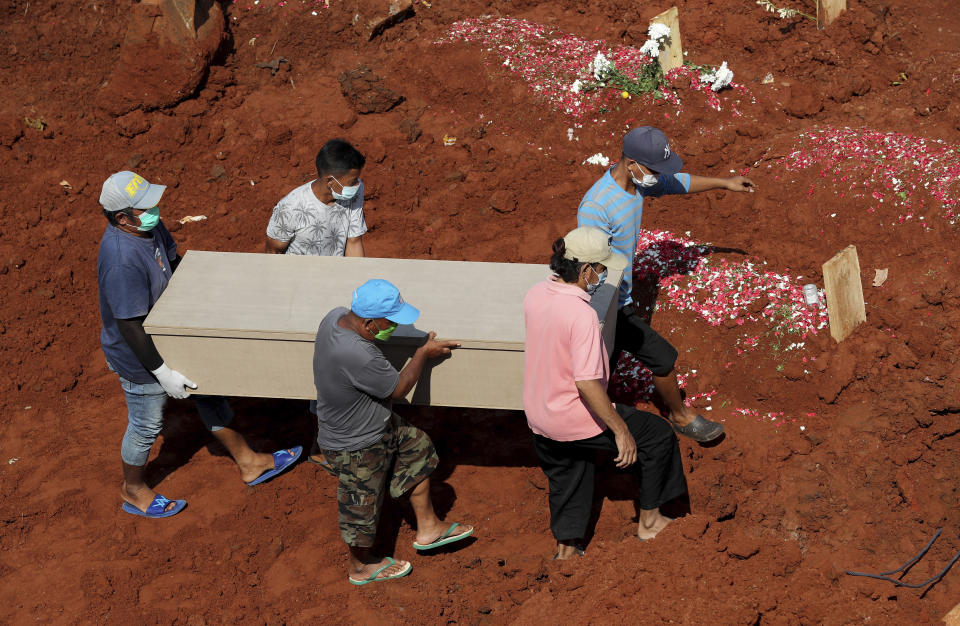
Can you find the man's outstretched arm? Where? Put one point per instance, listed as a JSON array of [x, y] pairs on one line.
[[734, 183]]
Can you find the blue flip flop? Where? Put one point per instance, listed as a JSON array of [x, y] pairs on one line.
[[445, 538], [156, 508], [282, 459], [373, 577]]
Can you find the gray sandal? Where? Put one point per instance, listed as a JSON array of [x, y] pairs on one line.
[[700, 429]]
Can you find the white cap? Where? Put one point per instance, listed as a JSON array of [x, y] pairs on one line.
[[591, 245]]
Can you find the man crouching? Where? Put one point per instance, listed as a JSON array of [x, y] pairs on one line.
[[365, 442]]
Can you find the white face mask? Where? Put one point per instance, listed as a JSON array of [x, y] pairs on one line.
[[648, 180], [346, 193]]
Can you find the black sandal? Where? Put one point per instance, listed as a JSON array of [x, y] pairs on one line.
[[700, 429]]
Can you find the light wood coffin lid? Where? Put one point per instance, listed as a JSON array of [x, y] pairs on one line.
[[284, 297]]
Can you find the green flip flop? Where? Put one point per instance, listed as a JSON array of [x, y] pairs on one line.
[[376, 578], [445, 538]]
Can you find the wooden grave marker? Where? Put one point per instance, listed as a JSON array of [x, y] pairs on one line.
[[829, 10], [672, 54], [841, 281], [953, 617]]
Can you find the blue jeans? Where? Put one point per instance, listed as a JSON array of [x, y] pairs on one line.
[[145, 417]]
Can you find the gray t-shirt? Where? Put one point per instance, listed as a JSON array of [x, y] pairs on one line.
[[315, 228], [354, 382]]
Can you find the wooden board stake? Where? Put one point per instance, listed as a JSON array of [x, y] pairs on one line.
[[829, 10], [672, 54], [953, 617], [841, 281]]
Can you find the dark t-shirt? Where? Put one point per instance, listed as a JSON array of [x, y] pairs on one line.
[[354, 382], [132, 272]]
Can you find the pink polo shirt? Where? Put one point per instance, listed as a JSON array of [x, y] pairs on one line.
[[563, 345]]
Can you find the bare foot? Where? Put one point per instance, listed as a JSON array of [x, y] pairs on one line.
[[141, 497], [366, 570], [258, 464], [567, 551], [651, 523], [432, 533]]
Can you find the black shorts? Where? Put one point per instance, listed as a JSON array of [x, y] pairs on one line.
[[635, 336]]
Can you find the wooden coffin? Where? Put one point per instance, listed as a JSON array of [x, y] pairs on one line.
[[244, 324]]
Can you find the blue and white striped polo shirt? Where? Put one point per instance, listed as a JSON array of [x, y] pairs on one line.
[[610, 208]]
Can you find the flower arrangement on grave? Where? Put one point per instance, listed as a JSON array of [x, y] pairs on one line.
[[766, 309], [644, 78], [582, 77]]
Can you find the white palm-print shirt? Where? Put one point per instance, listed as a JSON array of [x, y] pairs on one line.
[[313, 227]]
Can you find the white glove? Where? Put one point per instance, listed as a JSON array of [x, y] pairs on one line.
[[173, 382]]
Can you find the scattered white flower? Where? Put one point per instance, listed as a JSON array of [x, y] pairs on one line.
[[718, 78], [13, 460], [781, 13], [569, 134], [597, 159], [575, 87], [803, 428]]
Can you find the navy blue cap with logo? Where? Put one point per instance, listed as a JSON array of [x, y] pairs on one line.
[[650, 147]]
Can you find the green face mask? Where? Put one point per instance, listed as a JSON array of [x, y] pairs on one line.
[[384, 334], [149, 219]]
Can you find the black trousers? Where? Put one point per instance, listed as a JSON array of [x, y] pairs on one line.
[[636, 337], [570, 468]]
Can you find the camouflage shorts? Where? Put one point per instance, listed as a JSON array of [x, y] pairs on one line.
[[405, 455]]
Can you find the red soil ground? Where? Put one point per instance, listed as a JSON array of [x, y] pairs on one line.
[[776, 513]]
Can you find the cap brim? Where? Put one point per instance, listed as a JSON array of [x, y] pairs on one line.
[[671, 165], [615, 262], [151, 198], [406, 315]]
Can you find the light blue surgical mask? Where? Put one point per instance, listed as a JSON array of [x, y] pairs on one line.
[[601, 278], [149, 219], [346, 193]]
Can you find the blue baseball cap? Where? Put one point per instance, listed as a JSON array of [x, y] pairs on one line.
[[379, 298], [649, 147]]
